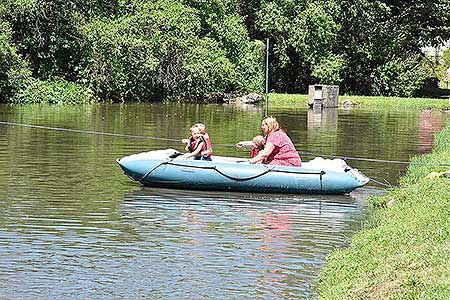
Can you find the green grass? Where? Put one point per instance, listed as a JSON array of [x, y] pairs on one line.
[[287, 99], [282, 100], [404, 251]]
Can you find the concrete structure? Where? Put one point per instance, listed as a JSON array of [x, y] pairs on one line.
[[323, 95]]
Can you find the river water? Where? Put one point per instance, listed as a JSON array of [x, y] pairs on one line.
[[72, 226]]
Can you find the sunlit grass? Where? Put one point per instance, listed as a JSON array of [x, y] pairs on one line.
[[282, 100], [404, 252], [396, 102]]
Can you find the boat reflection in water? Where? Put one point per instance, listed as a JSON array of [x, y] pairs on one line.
[[249, 244]]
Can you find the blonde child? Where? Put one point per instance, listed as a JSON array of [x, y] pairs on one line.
[[258, 145], [208, 152], [196, 145]]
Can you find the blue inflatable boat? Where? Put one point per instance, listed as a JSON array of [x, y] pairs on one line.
[[166, 168]]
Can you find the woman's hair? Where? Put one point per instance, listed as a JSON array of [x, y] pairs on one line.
[[272, 123]]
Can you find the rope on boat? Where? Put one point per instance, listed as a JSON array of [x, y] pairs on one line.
[[216, 145], [170, 162], [153, 169]]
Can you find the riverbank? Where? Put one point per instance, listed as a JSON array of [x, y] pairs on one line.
[[281, 100], [404, 250]]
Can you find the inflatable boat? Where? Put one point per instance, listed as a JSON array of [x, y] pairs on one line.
[[166, 168]]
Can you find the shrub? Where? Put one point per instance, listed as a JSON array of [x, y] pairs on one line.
[[162, 51], [56, 92], [401, 78], [328, 70]]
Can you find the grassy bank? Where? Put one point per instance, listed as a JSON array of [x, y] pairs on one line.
[[281, 100], [404, 251]]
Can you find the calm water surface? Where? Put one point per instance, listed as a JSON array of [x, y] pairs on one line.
[[72, 226]]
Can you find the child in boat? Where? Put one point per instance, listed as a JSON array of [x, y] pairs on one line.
[[196, 145], [258, 145], [206, 153]]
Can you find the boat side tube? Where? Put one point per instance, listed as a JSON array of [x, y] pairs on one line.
[[205, 175]]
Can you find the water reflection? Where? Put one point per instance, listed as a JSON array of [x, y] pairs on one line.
[[276, 244], [323, 118], [429, 124], [247, 107]]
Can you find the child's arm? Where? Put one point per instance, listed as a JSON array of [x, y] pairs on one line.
[[186, 141], [244, 144], [207, 152], [195, 152]]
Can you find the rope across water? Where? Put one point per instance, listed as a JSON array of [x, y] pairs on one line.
[[216, 145]]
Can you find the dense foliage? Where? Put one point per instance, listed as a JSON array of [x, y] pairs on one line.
[[14, 73], [146, 50]]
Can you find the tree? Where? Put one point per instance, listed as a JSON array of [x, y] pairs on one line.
[[14, 74], [162, 51], [376, 35], [302, 34], [46, 32]]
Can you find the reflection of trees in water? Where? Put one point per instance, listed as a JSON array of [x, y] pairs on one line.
[[244, 107]]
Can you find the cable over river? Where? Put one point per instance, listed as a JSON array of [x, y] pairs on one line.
[[74, 227]]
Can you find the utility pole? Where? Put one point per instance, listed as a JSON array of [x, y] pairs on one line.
[[266, 110]]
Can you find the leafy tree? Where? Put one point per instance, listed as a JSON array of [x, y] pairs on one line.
[[207, 71], [399, 78], [328, 69], [221, 22], [444, 67], [161, 51], [55, 92], [14, 74], [46, 32], [197, 49], [302, 34], [379, 36]]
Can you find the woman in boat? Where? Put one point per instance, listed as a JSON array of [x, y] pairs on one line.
[[278, 149]]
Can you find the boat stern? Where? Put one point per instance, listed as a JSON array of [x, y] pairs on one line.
[[360, 178]]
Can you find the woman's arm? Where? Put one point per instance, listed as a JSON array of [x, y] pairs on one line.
[[263, 154]]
